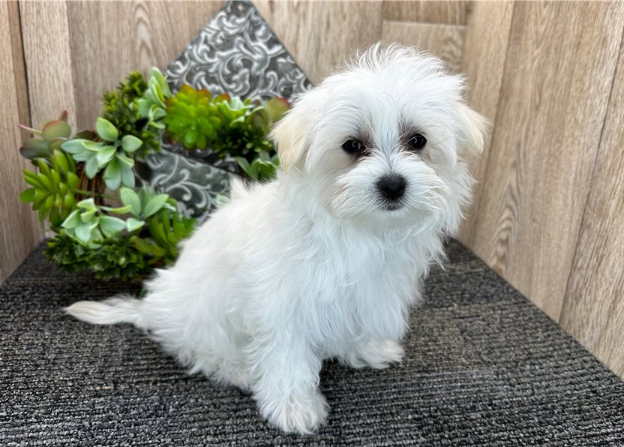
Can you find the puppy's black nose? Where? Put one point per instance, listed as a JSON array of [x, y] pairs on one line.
[[392, 187]]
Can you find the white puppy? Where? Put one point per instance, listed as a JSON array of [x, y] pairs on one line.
[[325, 261]]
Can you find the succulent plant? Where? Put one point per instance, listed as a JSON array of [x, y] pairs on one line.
[[126, 241], [90, 226], [53, 188], [116, 259], [146, 203], [166, 229], [152, 105], [111, 154], [122, 110], [53, 134], [66, 252], [120, 105], [228, 125], [262, 168], [192, 118]]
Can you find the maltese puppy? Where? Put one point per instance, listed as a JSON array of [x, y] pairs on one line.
[[325, 261]]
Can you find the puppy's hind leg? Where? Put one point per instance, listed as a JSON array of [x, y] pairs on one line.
[[118, 309]]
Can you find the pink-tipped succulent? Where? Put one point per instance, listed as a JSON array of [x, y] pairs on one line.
[[48, 139]]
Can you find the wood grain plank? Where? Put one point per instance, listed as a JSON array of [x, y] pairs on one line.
[[45, 33], [443, 41], [447, 12], [593, 309], [19, 65], [110, 39], [19, 228], [483, 63], [544, 146], [320, 35]]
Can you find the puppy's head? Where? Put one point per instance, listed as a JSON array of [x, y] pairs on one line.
[[384, 143]]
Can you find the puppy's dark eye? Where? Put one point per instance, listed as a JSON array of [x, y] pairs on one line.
[[417, 142], [353, 147]]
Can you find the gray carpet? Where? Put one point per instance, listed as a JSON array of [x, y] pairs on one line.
[[484, 367]]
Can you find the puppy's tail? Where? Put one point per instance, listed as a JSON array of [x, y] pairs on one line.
[[118, 309]]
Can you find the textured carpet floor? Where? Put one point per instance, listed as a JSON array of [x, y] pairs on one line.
[[483, 367]]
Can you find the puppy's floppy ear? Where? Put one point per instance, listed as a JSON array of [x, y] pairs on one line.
[[474, 130], [291, 137]]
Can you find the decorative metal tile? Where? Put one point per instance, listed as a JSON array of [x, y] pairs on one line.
[[235, 53], [194, 184]]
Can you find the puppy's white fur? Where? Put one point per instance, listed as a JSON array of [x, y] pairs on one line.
[[314, 265]]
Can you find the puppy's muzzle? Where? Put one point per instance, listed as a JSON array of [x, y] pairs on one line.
[[392, 189]]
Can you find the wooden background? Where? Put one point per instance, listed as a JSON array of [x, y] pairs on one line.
[[549, 210]]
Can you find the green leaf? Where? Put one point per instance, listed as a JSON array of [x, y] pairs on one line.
[[160, 78], [244, 164], [111, 226], [43, 212], [83, 232], [105, 155], [130, 143], [88, 216], [190, 138], [144, 108], [44, 167], [69, 201], [87, 204], [35, 148], [155, 204], [72, 180], [49, 203], [133, 224], [72, 221], [92, 167], [125, 161], [106, 130], [129, 197], [112, 175], [28, 195], [32, 179], [45, 181], [61, 160], [119, 210], [94, 146], [83, 156], [254, 171], [159, 113], [40, 196], [277, 107], [144, 196], [74, 146], [127, 177], [56, 129]]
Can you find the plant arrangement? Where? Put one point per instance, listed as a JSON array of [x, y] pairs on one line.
[[86, 187]]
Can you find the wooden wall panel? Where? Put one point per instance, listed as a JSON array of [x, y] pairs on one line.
[[45, 31], [110, 39], [483, 63], [19, 228], [593, 310], [446, 12], [545, 142], [321, 34], [443, 41]]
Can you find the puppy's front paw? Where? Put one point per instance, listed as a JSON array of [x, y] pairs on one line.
[[302, 414], [375, 354]]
